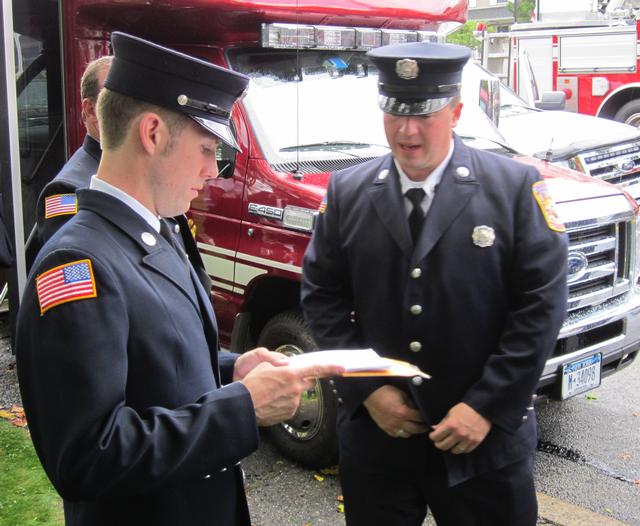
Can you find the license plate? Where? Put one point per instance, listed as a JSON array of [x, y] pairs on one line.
[[581, 376]]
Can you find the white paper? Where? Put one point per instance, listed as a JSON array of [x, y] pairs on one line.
[[351, 359]]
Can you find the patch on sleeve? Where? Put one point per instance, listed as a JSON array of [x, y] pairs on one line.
[[547, 206], [69, 282], [323, 206], [60, 205]]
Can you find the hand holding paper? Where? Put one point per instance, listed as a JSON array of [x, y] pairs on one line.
[[358, 362]]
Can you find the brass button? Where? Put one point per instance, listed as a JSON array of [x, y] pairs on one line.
[[416, 273], [417, 381], [415, 346], [416, 309], [525, 418]]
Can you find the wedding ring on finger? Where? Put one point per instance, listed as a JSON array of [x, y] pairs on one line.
[[459, 449], [401, 433]]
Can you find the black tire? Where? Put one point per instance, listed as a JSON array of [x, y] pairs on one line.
[[309, 437], [629, 113]]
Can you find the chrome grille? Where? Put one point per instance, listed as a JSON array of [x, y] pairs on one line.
[[617, 164], [607, 273], [312, 167]]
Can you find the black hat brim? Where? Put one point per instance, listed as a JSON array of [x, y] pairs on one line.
[[221, 131]]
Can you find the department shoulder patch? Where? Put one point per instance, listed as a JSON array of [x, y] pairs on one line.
[[547, 206], [59, 205], [323, 205], [64, 283]]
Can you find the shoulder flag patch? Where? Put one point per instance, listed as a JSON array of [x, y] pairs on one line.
[[323, 206], [59, 205], [69, 282], [547, 206]]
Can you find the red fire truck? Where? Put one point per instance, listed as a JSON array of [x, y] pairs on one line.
[[592, 58], [310, 109]]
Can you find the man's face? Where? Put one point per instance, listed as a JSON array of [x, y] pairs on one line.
[[420, 142], [182, 169]]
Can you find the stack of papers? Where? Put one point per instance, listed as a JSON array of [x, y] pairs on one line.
[[358, 362]]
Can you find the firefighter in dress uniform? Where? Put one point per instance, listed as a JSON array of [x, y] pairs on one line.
[[453, 259], [58, 202], [136, 417]]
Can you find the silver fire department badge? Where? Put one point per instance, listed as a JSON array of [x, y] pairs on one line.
[[407, 68], [483, 236]]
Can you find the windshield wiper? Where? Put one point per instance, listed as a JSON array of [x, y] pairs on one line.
[[332, 145], [499, 143]]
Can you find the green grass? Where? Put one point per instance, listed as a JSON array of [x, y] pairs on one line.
[[26, 495]]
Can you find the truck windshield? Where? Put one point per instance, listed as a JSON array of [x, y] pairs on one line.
[[312, 105], [319, 105]]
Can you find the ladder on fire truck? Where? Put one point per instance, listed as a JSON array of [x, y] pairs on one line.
[[496, 55]]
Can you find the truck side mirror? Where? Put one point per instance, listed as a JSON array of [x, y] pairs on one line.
[[552, 100], [226, 159]]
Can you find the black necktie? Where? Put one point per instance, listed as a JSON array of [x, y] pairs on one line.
[[416, 217]]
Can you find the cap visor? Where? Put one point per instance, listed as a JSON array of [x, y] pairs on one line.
[[397, 106], [221, 131]]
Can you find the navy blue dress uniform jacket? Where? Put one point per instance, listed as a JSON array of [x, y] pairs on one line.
[[489, 315], [76, 174], [125, 392]]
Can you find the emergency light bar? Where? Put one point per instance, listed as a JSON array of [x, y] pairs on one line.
[[294, 36]]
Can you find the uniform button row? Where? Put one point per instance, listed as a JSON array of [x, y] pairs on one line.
[[416, 273], [415, 309], [415, 346]]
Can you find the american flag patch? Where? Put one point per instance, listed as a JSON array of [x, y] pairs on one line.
[[68, 282], [59, 205]]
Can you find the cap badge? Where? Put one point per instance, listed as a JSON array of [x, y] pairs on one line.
[[182, 100], [148, 238], [407, 68], [483, 236]]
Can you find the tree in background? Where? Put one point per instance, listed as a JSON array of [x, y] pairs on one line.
[[465, 35], [525, 9]]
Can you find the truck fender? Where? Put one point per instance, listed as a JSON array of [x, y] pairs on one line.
[[613, 103]]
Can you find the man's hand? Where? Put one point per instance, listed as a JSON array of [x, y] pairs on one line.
[[251, 359], [275, 391], [461, 431], [392, 410]]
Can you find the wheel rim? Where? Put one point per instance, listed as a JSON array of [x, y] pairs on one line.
[[307, 421], [633, 120]]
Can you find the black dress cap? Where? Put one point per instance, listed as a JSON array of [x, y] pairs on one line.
[[418, 78], [170, 79]]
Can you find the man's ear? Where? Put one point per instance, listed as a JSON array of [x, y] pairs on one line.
[[152, 132], [88, 110], [455, 114]]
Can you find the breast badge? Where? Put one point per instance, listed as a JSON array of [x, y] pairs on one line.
[[483, 236]]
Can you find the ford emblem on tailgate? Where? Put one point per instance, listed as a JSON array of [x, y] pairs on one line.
[[577, 266]]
